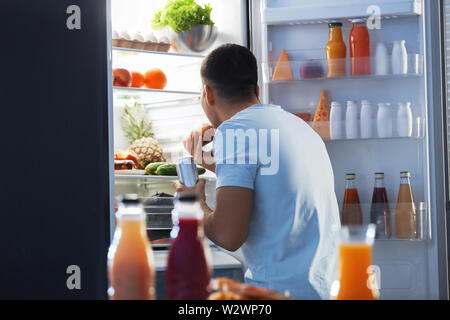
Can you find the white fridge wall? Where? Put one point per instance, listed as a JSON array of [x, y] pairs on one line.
[[229, 16], [174, 121], [406, 267]]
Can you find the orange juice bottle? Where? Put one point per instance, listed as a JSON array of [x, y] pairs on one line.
[[355, 260], [131, 271], [405, 213], [336, 51]]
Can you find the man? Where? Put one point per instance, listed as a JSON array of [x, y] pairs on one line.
[[275, 188]]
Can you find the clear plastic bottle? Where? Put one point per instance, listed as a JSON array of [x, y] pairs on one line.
[[399, 58], [384, 121], [352, 121], [367, 120], [404, 119], [381, 60], [337, 127]]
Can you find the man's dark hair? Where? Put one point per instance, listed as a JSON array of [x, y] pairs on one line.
[[232, 71]]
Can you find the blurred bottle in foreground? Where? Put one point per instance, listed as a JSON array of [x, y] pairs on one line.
[[356, 279], [189, 269], [131, 272]]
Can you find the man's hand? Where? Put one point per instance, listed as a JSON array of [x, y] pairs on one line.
[[195, 142], [198, 189]]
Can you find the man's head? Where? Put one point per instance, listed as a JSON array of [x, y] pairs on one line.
[[230, 82]]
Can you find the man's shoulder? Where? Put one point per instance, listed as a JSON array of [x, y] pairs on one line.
[[256, 116]]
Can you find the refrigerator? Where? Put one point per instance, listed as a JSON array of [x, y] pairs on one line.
[[66, 124], [406, 268]]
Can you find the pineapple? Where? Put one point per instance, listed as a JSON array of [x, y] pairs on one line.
[[139, 131]]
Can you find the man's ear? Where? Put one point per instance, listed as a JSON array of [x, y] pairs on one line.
[[257, 91], [210, 95]]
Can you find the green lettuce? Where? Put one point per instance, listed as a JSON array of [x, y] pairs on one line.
[[182, 15]]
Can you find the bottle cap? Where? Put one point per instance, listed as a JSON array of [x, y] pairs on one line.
[[379, 175], [335, 24], [365, 102], [350, 176], [351, 102], [186, 197], [129, 199], [335, 104], [358, 20], [405, 174]]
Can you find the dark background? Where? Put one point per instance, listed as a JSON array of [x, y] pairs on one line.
[[54, 189]]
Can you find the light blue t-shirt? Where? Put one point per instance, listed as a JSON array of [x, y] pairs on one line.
[[290, 245]]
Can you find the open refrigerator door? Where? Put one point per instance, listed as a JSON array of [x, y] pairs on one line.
[[289, 38], [152, 117]]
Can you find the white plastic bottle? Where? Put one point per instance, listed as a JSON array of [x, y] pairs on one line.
[[404, 119], [399, 58], [337, 127], [381, 60], [352, 120], [367, 120], [384, 121]]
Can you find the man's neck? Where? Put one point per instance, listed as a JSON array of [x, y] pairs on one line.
[[230, 110]]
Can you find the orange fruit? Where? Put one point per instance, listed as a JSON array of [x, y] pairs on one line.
[[155, 79], [137, 79]]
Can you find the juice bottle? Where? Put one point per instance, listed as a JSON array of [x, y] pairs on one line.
[[351, 210], [359, 48], [355, 277], [405, 213], [131, 272], [188, 268], [336, 51], [380, 215]]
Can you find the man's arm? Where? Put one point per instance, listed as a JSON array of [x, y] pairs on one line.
[[228, 225]]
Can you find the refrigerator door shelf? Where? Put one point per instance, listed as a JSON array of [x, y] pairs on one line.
[[297, 12], [418, 132], [421, 218], [318, 69]]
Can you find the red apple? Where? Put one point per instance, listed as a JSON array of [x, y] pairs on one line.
[[122, 77]]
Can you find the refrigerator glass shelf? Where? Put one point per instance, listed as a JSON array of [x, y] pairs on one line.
[[336, 69], [297, 12], [167, 54], [182, 71], [152, 97], [157, 178]]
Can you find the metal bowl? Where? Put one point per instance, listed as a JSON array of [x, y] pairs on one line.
[[196, 40]]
